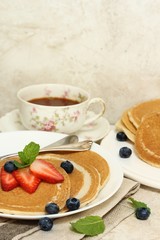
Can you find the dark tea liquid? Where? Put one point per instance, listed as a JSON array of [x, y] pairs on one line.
[[53, 101]]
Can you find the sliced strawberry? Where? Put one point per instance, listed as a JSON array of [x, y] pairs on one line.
[[26, 179], [46, 171], [8, 181]]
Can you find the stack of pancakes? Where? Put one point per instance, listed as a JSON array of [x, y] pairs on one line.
[[141, 124], [90, 174]]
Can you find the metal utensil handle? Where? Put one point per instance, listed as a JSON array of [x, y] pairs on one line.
[[79, 146], [68, 139]]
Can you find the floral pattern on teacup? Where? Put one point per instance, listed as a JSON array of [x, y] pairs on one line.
[[45, 125], [59, 119], [81, 98], [66, 94], [47, 92]]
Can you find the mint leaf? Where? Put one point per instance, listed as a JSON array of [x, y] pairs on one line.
[[90, 225], [136, 204], [20, 165], [28, 155]]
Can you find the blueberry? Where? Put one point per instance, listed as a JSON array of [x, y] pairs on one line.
[[142, 213], [125, 152], [45, 224], [52, 208], [10, 166], [67, 166], [121, 136], [72, 204]]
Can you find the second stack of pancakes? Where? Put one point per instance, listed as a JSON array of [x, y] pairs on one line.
[[141, 124]]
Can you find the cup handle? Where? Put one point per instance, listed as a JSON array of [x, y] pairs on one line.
[[97, 115]]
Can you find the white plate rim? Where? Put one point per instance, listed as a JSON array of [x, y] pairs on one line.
[[23, 138], [134, 167]]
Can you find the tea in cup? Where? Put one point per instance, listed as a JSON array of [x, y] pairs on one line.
[[56, 107]]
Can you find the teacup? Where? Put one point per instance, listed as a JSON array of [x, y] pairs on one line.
[[39, 109]]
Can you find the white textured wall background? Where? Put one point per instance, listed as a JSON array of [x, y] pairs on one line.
[[110, 47]]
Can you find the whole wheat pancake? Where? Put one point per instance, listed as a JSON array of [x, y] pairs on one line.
[[139, 111], [90, 174], [147, 141]]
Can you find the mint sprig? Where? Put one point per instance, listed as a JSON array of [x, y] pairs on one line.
[[137, 204], [28, 155], [90, 225]]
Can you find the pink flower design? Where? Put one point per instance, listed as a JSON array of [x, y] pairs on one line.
[[48, 126], [65, 94], [48, 92], [92, 124], [34, 110], [76, 115]]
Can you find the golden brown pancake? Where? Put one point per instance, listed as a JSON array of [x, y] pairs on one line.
[[147, 141], [85, 179], [91, 158], [128, 124], [121, 127], [139, 111], [90, 174], [19, 202], [76, 177], [90, 188], [91, 184]]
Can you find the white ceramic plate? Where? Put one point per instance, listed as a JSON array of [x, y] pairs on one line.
[[94, 131], [12, 142], [133, 167]]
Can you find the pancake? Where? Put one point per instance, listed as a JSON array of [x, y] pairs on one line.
[[147, 141], [128, 124], [90, 174], [92, 186], [93, 159], [86, 188], [91, 183], [121, 127], [19, 201], [137, 112]]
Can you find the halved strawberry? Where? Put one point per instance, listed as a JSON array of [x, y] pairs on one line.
[[8, 181], [26, 179], [46, 171]]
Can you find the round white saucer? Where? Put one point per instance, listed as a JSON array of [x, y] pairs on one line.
[[95, 131]]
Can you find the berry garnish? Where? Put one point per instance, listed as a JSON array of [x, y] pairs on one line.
[[125, 152], [29, 171], [142, 213], [45, 224], [67, 166], [72, 204], [46, 171], [26, 179], [8, 181], [52, 208], [10, 166], [121, 136]]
